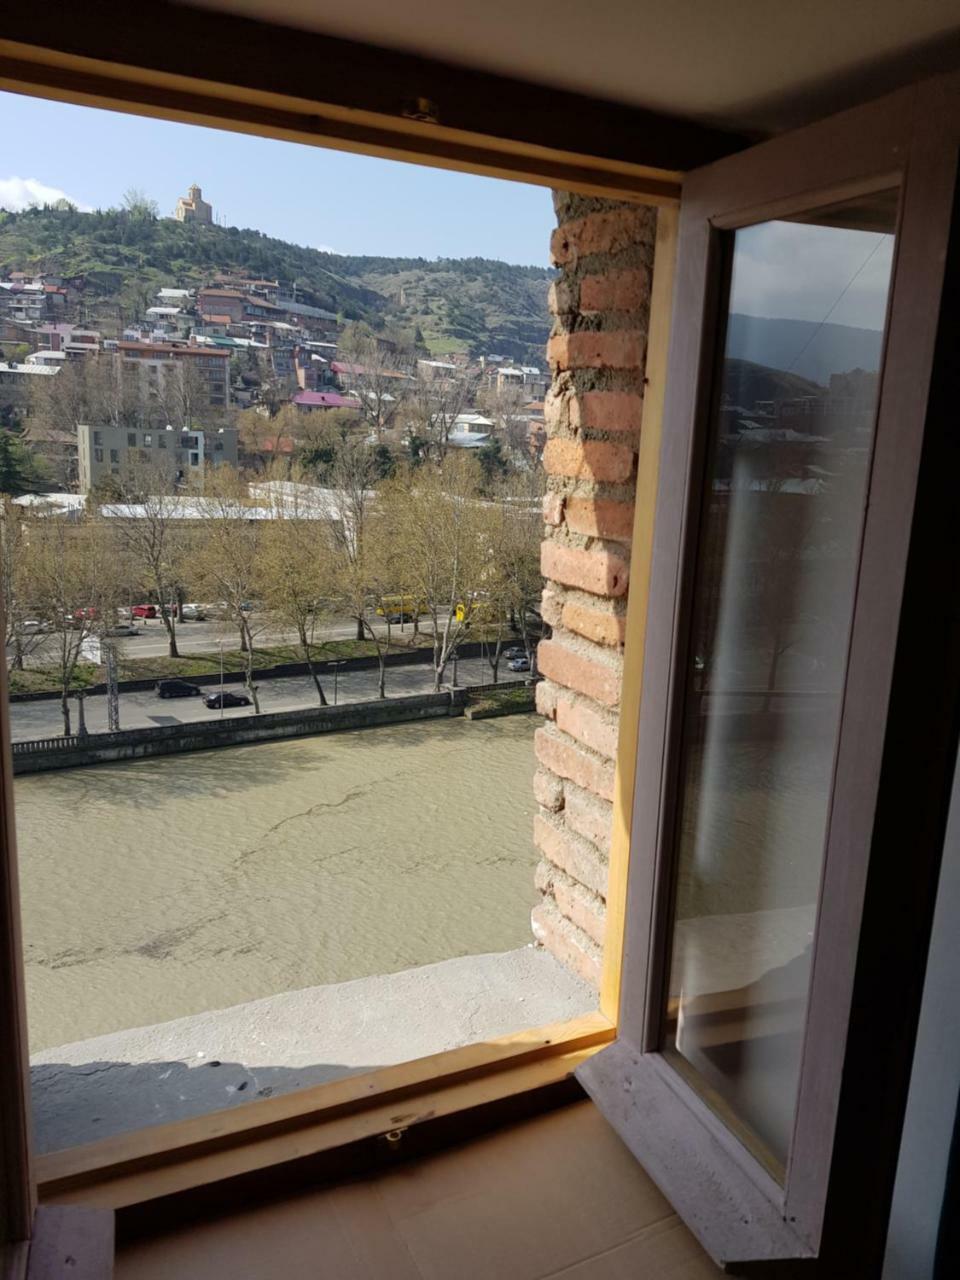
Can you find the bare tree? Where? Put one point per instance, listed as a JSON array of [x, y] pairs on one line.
[[181, 396], [73, 591], [296, 561], [513, 524], [506, 407], [379, 385], [440, 549], [435, 402], [352, 476], [15, 577], [95, 390], [148, 536], [224, 553]]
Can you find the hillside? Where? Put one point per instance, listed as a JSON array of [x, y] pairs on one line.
[[744, 383], [803, 347], [470, 304]]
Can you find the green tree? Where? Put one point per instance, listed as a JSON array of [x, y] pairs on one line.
[[493, 465], [18, 471]]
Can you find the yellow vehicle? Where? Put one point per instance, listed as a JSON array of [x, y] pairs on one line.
[[476, 610], [399, 607]]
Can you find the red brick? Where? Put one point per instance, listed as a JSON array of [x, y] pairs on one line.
[[553, 504], [600, 572], [587, 349], [575, 671], [548, 790], [562, 298], [605, 232], [546, 697], [589, 460], [570, 853], [613, 411], [569, 944], [587, 725], [551, 607], [594, 624], [583, 909], [567, 760], [627, 290], [600, 518], [578, 905], [588, 816]]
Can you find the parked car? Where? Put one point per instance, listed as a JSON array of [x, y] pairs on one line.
[[32, 626], [518, 651], [176, 689], [81, 616], [193, 613], [144, 611], [519, 664], [393, 618], [123, 629], [226, 699]]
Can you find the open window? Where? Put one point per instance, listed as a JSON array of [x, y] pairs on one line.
[[761, 960]]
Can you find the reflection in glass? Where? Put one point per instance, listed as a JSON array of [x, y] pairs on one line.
[[785, 487]]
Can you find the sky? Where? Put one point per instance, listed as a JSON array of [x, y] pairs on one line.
[[796, 271], [360, 205], [324, 199]]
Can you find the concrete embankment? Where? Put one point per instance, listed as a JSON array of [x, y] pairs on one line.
[[43, 754], [137, 744]]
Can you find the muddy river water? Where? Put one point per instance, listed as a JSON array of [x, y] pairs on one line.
[[159, 888]]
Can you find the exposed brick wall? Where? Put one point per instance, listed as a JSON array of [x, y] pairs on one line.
[[600, 305]]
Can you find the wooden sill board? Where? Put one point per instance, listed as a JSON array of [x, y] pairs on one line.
[[166, 1159]]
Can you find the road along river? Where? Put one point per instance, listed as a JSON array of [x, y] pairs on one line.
[[166, 887]]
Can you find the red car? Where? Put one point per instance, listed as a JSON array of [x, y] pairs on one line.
[[144, 611]]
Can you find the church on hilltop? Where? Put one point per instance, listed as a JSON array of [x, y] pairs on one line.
[[193, 208]]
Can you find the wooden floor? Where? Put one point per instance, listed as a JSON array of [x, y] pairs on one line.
[[555, 1196]]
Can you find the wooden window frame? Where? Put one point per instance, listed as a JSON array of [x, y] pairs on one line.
[[142, 77], [739, 1211]]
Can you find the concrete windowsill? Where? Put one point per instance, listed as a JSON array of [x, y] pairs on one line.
[[153, 1075]]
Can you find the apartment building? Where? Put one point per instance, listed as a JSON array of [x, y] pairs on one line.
[[156, 360], [15, 383], [178, 455]]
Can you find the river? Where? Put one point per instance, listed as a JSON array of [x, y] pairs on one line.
[[158, 888]]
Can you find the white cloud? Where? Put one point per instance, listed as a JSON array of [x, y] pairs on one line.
[[20, 193], [791, 270]]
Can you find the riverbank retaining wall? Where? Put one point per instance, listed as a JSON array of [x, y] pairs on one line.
[[597, 352], [136, 744]]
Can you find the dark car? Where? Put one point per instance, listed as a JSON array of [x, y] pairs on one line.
[[226, 699], [399, 617], [176, 689]]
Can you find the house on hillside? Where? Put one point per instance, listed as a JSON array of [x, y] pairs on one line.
[[306, 401]]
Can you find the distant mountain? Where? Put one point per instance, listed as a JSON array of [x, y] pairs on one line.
[[468, 304], [803, 347], [744, 383]]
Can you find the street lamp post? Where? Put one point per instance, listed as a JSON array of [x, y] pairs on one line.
[[221, 679], [336, 673], [81, 721]]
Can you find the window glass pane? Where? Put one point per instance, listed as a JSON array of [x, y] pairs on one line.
[[785, 485]]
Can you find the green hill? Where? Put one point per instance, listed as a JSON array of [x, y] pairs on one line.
[[745, 382], [120, 258]]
